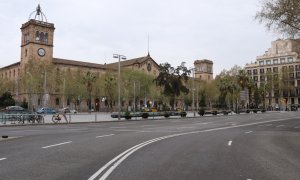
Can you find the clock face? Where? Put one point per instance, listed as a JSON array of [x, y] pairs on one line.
[[41, 52]]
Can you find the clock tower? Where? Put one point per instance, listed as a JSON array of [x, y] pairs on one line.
[[37, 38]]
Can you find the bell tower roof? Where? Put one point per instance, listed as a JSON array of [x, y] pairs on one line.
[[39, 15]]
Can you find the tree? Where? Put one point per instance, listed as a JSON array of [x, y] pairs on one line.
[[89, 80], [6, 100], [282, 16], [172, 80]]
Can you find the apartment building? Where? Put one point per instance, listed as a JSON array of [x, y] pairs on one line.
[[279, 69]]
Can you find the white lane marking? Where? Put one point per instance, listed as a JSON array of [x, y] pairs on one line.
[[147, 125], [1, 159], [248, 132], [229, 143], [280, 126], [233, 124], [45, 147], [297, 127], [113, 164], [185, 127], [120, 127], [104, 135], [268, 124]]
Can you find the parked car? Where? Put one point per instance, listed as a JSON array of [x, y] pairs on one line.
[[46, 110], [68, 110], [16, 110]]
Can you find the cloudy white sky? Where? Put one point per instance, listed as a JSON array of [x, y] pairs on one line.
[[180, 30]]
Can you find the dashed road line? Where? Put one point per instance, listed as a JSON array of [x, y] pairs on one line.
[[248, 132], [297, 127], [45, 147], [1, 159], [104, 135], [229, 143], [119, 127], [280, 126]]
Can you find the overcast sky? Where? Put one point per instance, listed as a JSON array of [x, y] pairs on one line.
[[223, 31]]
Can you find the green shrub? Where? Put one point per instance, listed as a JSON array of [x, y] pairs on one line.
[[255, 110], [201, 112], [167, 115], [145, 115], [247, 111], [183, 114], [127, 115], [263, 110], [214, 112]]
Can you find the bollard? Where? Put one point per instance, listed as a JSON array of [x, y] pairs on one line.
[[69, 118], [95, 117]]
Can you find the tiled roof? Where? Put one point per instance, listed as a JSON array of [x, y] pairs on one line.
[[131, 62], [11, 65], [77, 63]]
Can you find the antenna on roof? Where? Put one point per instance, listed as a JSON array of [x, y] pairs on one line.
[[148, 45]]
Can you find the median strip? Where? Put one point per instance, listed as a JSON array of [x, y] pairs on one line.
[[45, 147]]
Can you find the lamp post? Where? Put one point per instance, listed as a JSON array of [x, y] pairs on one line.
[[30, 91], [193, 92], [119, 82]]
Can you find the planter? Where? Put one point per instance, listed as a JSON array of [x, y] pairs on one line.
[[145, 115], [201, 112], [167, 115], [183, 114]]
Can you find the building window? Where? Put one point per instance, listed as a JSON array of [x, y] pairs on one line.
[[290, 59], [284, 68], [254, 71], [255, 78], [269, 70], [42, 37], [26, 38], [275, 69], [261, 71], [262, 78], [57, 101], [268, 62], [282, 60], [275, 61], [249, 72], [291, 68], [37, 36], [46, 38], [261, 63]]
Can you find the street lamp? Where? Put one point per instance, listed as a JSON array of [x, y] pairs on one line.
[[119, 82], [30, 92], [193, 91]]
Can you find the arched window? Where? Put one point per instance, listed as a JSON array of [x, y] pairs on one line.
[[37, 36], [42, 37], [46, 38], [57, 101]]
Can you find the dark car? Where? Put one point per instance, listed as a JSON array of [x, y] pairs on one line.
[[46, 110]]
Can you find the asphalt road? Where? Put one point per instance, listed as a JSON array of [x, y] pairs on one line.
[[246, 147]]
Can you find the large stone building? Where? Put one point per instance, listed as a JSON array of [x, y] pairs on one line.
[[37, 42], [279, 68]]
